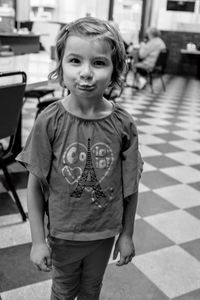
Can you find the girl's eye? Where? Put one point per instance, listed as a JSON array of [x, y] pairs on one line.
[[99, 63], [74, 60]]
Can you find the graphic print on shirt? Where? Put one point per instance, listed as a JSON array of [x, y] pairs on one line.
[[79, 169]]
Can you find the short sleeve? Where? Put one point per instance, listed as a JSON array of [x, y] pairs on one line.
[[132, 163], [37, 154]]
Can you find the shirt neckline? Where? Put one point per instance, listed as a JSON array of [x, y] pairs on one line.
[[85, 119]]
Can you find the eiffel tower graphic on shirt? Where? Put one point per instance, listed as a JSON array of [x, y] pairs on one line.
[[89, 180]]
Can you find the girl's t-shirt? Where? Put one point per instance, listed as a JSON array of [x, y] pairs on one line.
[[86, 169]]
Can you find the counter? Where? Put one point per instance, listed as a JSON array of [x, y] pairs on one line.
[[21, 43]]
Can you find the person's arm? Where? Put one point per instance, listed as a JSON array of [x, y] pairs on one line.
[[145, 49], [40, 252], [124, 244]]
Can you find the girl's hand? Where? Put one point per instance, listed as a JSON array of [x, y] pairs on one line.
[[41, 257], [125, 247]]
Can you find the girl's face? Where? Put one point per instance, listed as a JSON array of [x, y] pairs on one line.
[[87, 66]]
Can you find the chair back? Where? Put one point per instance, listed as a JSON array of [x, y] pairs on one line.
[[11, 101], [162, 60]]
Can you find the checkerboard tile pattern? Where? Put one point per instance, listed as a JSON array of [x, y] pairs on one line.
[[167, 228]]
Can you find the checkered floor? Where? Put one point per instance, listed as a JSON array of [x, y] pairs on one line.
[[167, 231]]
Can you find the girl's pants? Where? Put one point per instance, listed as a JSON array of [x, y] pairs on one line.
[[78, 268]]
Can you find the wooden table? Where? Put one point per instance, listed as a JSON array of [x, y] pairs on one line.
[[193, 57], [36, 66]]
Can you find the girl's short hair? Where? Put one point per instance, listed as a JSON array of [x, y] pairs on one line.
[[99, 29]]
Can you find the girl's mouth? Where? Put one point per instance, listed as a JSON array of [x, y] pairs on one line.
[[87, 87]]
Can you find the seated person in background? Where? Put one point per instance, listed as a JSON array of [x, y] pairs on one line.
[[148, 54]]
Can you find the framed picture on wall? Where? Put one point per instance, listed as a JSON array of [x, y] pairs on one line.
[[186, 6]]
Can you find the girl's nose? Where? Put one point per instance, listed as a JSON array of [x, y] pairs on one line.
[[86, 71]]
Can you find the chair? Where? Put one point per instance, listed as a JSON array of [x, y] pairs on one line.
[[158, 70], [129, 63], [11, 101], [38, 93], [48, 32], [43, 104]]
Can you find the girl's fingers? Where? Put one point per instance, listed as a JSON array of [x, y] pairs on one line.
[[115, 253], [43, 267], [121, 262], [48, 262], [124, 260], [38, 267], [130, 258]]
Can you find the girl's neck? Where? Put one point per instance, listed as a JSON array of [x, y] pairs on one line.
[[88, 109]]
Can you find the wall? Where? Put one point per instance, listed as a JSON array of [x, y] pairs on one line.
[[68, 10], [175, 20], [127, 15], [176, 40], [23, 10]]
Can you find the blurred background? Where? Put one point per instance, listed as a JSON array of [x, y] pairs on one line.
[[179, 22]]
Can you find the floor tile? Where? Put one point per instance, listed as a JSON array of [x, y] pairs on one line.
[[196, 185], [171, 127], [197, 167], [181, 273], [194, 295], [189, 146], [169, 136], [16, 168], [128, 283], [185, 157], [194, 119], [21, 234], [160, 115], [16, 269], [184, 174], [151, 129], [143, 188], [20, 179], [148, 151], [179, 226], [157, 122], [7, 204], [197, 152], [147, 139], [157, 179], [150, 203], [161, 161], [147, 238], [2, 188], [190, 135], [22, 194], [192, 248], [10, 220], [165, 148], [139, 123], [41, 289], [195, 211], [181, 195], [147, 167]]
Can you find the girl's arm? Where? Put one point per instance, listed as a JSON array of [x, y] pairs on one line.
[[40, 252], [124, 244]]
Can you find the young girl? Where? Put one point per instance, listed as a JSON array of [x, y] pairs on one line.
[[83, 159]]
